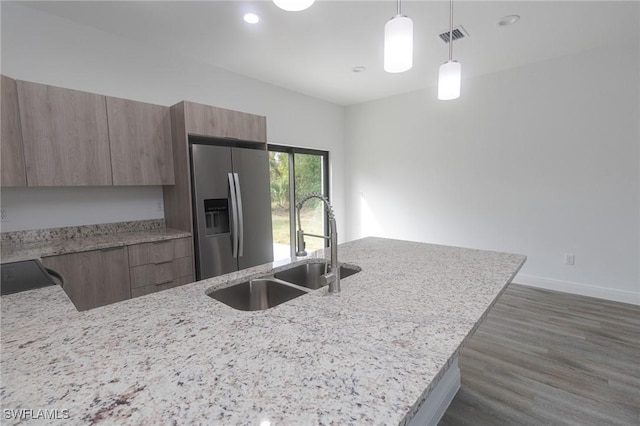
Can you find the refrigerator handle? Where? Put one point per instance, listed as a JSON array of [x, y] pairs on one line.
[[240, 216], [234, 215]]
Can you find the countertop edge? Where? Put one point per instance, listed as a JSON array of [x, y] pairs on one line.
[[38, 250], [414, 410]]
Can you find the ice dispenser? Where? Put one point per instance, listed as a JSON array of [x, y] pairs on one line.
[[216, 216]]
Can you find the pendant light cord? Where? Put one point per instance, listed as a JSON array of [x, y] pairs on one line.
[[450, 29], [398, 8]]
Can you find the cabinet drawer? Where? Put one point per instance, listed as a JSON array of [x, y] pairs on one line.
[[155, 252], [182, 247], [160, 273], [148, 289]]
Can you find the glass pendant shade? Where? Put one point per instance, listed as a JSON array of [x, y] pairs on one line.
[[398, 44], [293, 5], [449, 80]]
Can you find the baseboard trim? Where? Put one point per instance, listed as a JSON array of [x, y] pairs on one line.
[[579, 288]]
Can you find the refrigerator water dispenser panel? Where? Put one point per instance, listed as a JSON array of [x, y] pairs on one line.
[[216, 214]]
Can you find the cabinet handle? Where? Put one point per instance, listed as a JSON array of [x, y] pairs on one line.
[[160, 242], [110, 248], [163, 262], [164, 282]]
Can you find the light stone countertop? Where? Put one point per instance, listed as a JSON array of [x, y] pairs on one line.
[[17, 251], [368, 355]]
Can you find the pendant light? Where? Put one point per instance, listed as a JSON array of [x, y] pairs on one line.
[[293, 5], [450, 71], [398, 43]]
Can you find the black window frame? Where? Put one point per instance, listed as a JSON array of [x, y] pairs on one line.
[[291, 151]]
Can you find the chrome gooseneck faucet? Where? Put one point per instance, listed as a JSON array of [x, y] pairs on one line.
[[333, 277]]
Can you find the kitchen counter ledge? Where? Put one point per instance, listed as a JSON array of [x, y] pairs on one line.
[[15, 252], [368, 355]]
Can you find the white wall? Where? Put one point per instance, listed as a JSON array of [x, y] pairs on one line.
[[541, 160], [43, 48], [39, 208]]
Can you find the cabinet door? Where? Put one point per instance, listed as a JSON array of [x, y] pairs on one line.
[[65, 136], [93, 278], [140, 140], [206, 120], [12, 157]]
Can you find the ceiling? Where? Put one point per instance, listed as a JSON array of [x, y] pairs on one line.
[[314, 51]]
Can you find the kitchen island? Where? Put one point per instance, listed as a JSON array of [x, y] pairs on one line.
[[368, 355]]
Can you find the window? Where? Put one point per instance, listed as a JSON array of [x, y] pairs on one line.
[[294, 173]]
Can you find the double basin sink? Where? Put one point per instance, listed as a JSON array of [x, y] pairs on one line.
[[272, 290]]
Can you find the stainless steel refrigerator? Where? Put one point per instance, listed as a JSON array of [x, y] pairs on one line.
[[231, 208]]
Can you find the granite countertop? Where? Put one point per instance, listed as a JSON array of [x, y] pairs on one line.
[[17, 251], [368, 355]]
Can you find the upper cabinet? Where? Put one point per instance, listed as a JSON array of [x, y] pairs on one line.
[[12, 155], [53, 136], [65, 135], [189, 118], [204, 120], [140, 140]]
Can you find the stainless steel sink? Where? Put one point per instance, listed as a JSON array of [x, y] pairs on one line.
[[266, 292], [309, 275], [256, 295]]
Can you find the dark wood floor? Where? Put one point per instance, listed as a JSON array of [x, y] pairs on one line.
[[549, 358]]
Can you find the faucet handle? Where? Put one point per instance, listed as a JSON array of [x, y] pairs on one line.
[[332, 278]]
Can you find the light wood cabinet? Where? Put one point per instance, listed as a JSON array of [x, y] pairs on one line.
[[100, 277], [53, 136], [160, 265], [205, 120], [148, 289], [140, 141], [177, 198], [159, 251], [12, 155], [94, 278], [65, 136]]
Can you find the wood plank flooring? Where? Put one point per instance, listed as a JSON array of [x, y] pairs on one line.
[[549, 358]]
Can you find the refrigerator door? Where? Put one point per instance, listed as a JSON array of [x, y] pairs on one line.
[[252, 169], [214, 215]]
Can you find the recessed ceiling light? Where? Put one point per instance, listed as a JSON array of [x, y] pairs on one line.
[[508, 20], [358, 69], [251, 18]]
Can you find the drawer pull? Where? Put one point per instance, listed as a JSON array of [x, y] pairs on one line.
[[110, 248], [163, 283], [161, 242], [163, 262]]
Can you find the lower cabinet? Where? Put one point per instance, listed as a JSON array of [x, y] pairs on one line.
[[148, 289], [160, 265], [94, 278], [100, 277]]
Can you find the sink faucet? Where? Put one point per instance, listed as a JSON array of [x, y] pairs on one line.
[[333, 277]]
